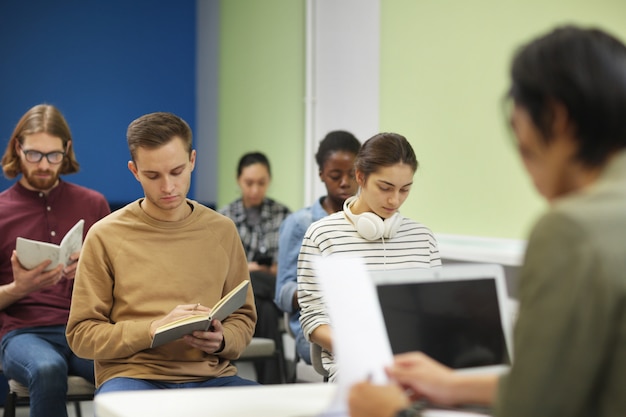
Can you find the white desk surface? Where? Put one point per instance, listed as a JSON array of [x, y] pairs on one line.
[[285, 400], [509, 252]]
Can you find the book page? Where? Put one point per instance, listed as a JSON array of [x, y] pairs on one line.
[[31, 252], [198, 318], [72, 242]]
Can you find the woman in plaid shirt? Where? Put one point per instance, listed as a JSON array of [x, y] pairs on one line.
[[258, 219]]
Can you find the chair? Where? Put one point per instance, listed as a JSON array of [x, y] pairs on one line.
[[316, 361], [300, 371], [78, 389], [263, 349], [296, 358]]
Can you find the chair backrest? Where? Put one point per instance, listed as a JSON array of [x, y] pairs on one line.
[[265, 349], [316, 360], [259, 348], [286, 318]]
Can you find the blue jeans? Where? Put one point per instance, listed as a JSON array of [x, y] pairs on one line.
[[39, 358], [132, 384]]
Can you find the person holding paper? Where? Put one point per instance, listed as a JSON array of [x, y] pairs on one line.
[[160, 258], [34, 304], [370, 227], [335, 160], [568, 95]]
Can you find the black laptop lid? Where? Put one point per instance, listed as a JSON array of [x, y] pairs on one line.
[[458, 322]]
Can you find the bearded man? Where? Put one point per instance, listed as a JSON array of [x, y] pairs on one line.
[[35, 304]]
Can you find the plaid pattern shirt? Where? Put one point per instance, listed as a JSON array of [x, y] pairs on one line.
[[259, 240]]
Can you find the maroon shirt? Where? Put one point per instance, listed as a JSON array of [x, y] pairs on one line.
[[33, 215]]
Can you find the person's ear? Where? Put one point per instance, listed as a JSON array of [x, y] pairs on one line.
[[561, 122], [192, 159], [133, 168], [360, 178]]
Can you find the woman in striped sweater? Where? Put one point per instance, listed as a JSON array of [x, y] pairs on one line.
[[369, 227]]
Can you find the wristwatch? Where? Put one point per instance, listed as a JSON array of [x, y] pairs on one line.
[[408, 412]]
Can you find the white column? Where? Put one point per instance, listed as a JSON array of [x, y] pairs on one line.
[[342, 76]]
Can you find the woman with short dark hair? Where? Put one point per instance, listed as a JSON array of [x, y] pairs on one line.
[[568, 93]]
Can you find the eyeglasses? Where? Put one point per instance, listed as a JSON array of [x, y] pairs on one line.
[[34, 157]]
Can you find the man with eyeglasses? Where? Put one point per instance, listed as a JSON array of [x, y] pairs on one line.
[[34, 304]]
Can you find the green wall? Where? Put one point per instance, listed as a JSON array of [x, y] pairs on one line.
[[443, 69], [261, 90]]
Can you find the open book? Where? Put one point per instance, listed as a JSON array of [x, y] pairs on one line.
[[33, 252], [224, 307]]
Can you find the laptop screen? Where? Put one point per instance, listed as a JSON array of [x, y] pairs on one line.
[[455, 321]]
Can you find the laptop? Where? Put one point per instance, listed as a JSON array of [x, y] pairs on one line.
[[459, 314]]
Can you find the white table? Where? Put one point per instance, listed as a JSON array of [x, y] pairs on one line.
[[285, 400]]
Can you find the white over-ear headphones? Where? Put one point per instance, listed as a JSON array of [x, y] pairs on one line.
[[369, 225]]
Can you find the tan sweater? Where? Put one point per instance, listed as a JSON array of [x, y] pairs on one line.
[[134, 269]]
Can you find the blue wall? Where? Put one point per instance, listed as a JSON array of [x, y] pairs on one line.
[[103, 63]]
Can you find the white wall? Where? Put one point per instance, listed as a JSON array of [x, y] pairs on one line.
[[342, 76]]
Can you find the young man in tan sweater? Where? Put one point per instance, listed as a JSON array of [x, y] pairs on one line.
[[160, 258]]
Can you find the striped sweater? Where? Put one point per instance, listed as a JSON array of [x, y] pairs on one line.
[[413, 246]]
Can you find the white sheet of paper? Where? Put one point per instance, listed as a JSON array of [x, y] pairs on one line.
[[360, 343]]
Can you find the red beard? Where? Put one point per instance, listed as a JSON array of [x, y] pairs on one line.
[[40, 183]]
